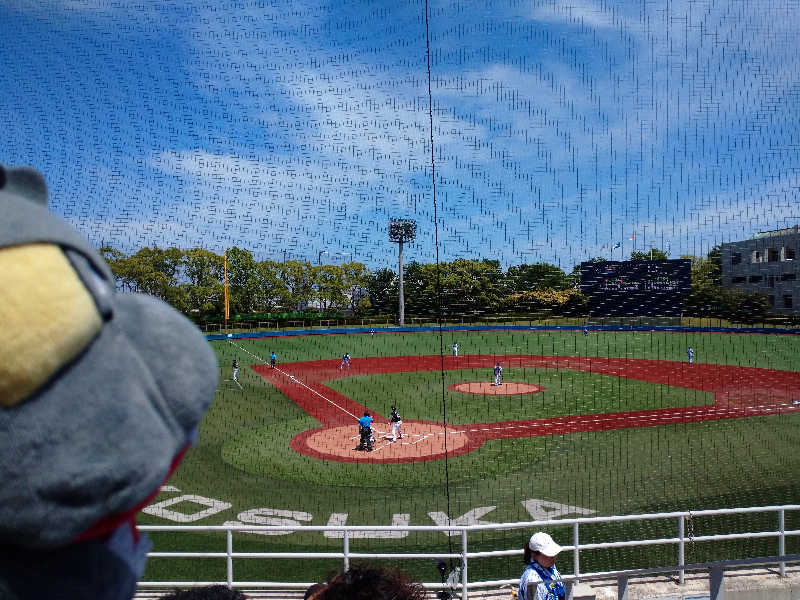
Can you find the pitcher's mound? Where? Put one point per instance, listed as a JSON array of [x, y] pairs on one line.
[[504, 389]]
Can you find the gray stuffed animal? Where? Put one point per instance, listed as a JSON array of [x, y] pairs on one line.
[[101, 394]]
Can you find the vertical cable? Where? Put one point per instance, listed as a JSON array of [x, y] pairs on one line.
[[438, 277]]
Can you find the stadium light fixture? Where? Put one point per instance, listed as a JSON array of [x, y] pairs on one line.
[[400, 231]]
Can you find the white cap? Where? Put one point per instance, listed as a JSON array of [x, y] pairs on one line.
[[541, 542]]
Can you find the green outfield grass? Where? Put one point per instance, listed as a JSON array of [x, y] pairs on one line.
[[242, 455], [566, 393]]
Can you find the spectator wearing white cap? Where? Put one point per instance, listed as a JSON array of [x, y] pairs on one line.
[[541, 580]]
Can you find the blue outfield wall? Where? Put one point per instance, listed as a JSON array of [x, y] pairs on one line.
[[461, 328]]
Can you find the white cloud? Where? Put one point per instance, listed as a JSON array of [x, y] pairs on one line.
[[579, 12]]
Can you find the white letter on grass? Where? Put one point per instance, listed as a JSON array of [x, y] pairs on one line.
[[340, 519], [469, 518], [543, 510], [270, 516], [159, 509]]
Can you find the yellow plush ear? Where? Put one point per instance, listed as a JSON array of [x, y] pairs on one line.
[[47, 318]]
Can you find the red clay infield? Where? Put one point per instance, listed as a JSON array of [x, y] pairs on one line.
[[738, 392]]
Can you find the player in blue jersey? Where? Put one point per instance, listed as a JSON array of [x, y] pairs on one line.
[[365, 432]]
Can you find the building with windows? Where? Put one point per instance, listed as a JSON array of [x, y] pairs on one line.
[[769, 264]]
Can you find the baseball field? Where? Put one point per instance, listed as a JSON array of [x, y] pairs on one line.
[[613, 422]]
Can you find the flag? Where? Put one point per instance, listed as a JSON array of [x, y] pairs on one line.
[[617, 245], [633, 236]]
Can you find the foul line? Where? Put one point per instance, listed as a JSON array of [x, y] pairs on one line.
[[760, 410], [328, 400], [296, 380]]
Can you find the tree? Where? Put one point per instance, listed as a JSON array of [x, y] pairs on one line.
[[202, 267], [243, 281], [356, 277], [298, 277], [708, 299], [745, 307], [560, 302], [526, 278], [152, 271], [705, 297], [329, 280], [714, 258], [203, 292], [471, 286], [116, 261], [652, 254], [381, 288], [273, 292], [462, 287]]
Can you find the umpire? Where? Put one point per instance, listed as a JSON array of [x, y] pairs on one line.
[[365, 432]]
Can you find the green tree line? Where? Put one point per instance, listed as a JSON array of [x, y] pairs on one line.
[[193, 282]]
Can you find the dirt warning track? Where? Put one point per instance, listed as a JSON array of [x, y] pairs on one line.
[[738, 392]]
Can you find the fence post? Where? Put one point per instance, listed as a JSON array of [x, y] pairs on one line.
[[681, 571], [782, 541], [346, 550], [463, 564], [576, 560], [715, 587], [622, 587], [229, 550]]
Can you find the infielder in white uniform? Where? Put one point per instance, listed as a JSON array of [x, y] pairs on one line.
[[455, 349], [498, 373]]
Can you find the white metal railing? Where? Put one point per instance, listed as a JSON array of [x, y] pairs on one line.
[[464, 556]]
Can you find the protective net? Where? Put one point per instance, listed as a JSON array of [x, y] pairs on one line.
[[559, 238]]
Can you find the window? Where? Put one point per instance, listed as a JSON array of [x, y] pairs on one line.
[[755, 278], [773, 255], [771, 281], [771, 300], [736, 258], [789, 277], [756, 257], [739, 279], [788, 253], [787, 301]]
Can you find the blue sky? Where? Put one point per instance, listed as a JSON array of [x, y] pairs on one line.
[[559, 127]]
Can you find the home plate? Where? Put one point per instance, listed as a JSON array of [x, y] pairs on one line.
[[420, 441]]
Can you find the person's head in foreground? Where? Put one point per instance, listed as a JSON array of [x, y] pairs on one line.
[[209, 592], [93, 419], [367, 582], [542, 549]]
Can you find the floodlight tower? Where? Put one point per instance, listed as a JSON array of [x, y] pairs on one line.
[[401, 230]]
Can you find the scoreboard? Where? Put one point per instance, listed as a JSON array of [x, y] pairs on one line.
[[634, 288]]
